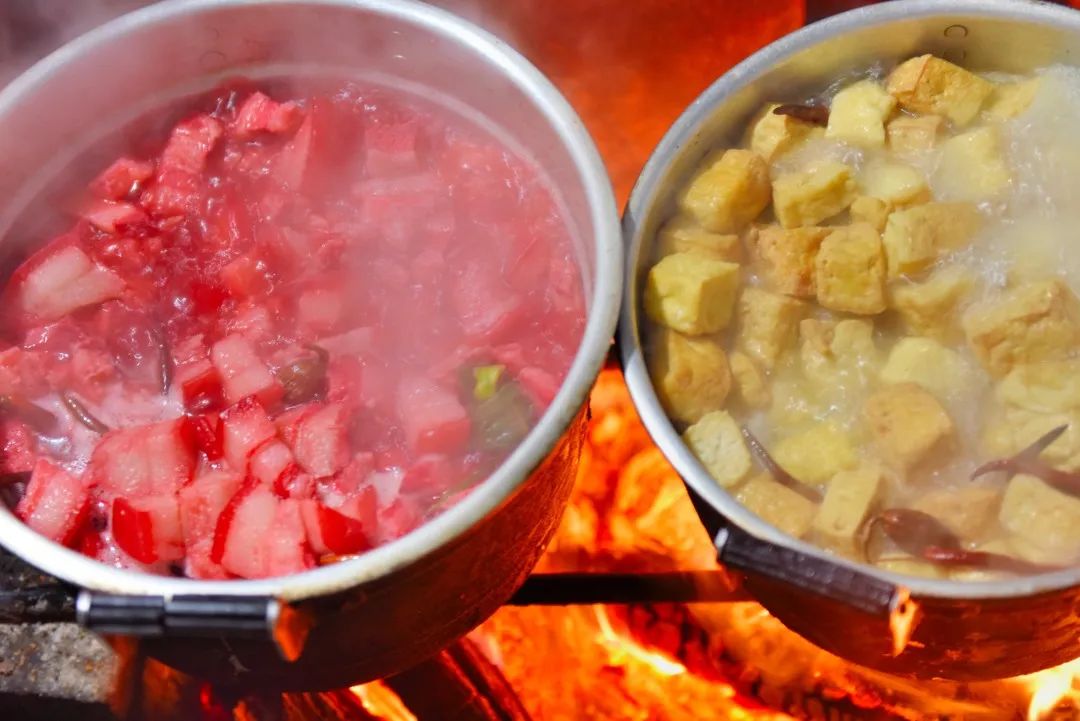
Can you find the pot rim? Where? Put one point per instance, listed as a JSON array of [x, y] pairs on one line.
[[487, 496], [647, 192]]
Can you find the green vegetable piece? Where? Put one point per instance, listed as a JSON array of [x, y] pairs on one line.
[[486, 381]]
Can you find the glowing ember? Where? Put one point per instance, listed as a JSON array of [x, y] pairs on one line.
[[382, 703], [1054, 691]]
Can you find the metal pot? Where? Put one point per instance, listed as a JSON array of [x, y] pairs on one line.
[[394, 606], [964, 631]]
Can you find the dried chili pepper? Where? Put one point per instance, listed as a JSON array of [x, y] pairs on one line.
[[808, 113], [81, 413], [1027, 461], [39, 419], [165, 364], [777, 472], [985, 559]]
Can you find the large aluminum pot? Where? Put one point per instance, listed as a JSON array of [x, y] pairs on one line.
[[965, 631], [394, 606]]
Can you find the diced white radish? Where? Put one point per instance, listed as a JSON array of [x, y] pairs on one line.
[[55, 502], [201, 503], [65, 281], [109, 215], [242, 373], [433, 418], [244, 530], [272, 463], [245, 427], [321, 446], [144, 460], [287, 549], [319, 309]]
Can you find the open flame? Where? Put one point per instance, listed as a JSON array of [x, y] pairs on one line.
[[380, 701], [1053, 689]]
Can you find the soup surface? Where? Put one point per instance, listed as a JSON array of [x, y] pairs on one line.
[[864, 319], [295, 330]]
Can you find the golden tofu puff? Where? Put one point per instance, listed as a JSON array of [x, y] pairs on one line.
[[1030, 323], [909, 566], [849, 272], [750, 384], [729, 191], [873, 211], [916, 237], [897, 184], [773, 135], [718, 443], [684, 235], [1047, 387], [785, 257], [914, 134], [816, 454], [766, 324], [928, 363], [692, 293], [930, 85], [970, 511], [909, 426], [1009, 430], [1012, 99], [810, 196], [1043, 521], [852, 497], [691, 375], [930, 307], [838, 354], [857, 114], [777, 505], [972, 167]]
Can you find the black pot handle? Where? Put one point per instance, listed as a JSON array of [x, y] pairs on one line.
[[739, 550]]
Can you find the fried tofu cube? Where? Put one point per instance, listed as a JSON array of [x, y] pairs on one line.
[[873, 211], [750, 383], [1012, 99], [773, 135], [916, 237], [683, 235], [1043, 518], [777, 505], [928, 307], [968, 511], [896, 183], [810, 196], [858, 113], [914, 134], [692, 293], [817, 454], [972, 167], [766, 324], [927, 363], [718, 443], [849, 272], [851, 497], [1034, 322], [691, 375], [785, 257], [908, 566], [832, 348], [931, 85], [907, 423], [1009, 430], [1046, 387], [728, 192]]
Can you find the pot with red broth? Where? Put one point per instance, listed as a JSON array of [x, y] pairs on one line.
[[297, 328]]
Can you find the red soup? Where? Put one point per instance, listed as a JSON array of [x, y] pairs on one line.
[[295, 331]]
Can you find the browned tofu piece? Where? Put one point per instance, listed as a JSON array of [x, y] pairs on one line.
[[1012, 99], [916, 237], [773, 135], [898, 184], [968, 511], [816, 454], [785, 257], [777, 505], [907, 423], [850, 499], [858, 112], [972, 167], [766, 324], [927, 84], [718, 443], [807, 197], [1034, 322], [928, 307], [908, 134], [873, 211], [850, 271], [691, 375], [692, 293], [750, 383], [728, 192], [1044, 521], [683, 235]]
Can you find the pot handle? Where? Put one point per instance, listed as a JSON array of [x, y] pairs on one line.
[[739, 550]]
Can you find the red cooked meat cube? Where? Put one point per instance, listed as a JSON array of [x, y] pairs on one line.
[[246, 277], [252, 322], [202, 502], [397, 519], [148, 528], [190, 144], [273, 463], [429, 475], [319, 309], [261, 114], [390, 148], [357, 343], [321, 444], [354, 476], [290, 166], [331, 531], [486, 307], [288, 423], [199, 564], [242, 373], [55, 502], [206, 434], [110, 216], [17, 447], [157, 459], [64, 281], [200, 385], [287, 549], [121, 178], [433, 418], [244, 530], [245, 427]]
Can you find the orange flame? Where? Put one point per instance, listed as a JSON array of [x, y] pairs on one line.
[[381, 702], [1053, 688]]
